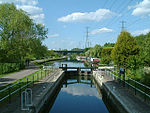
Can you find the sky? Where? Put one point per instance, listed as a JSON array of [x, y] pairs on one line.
[[68, 20]]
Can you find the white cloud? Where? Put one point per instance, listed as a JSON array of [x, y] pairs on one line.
[[142, 8], [29, 2], [33, 10], [36, 13], [53, 36], [102, 30], [6, 1], [139, 32], [98, 15]]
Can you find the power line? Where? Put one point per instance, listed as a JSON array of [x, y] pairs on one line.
[[122, 25], [105, 3], [112, 4], [132, 23], [110, 23], [87, 38]]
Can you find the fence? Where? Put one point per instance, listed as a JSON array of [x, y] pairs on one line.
[[10, 90], [141, 90]]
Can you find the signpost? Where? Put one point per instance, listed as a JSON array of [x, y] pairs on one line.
[[122, 72]]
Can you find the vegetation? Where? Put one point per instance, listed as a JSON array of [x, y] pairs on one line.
[[52, 54], [109, 44], [10, 67], [106, 53], [20, 37], [125, 48], [94, 52]]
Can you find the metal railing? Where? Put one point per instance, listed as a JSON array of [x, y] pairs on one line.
[[139, 89], [10, 90]]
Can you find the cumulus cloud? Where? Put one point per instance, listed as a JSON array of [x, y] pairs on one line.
[[139, 32], [36, 13], [102, 30], [29, 2], [98, 15], [141, 8], [33, 10], [7, 1], [53, 36]]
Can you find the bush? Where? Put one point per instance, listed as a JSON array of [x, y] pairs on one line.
[[106, 55], [10, 67]]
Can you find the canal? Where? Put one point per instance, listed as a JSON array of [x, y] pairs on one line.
[[77, 94]]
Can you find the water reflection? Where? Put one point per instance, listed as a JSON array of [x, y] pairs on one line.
[[78, 95], [81, 90]]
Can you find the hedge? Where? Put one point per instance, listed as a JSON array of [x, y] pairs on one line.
[[10, 67]]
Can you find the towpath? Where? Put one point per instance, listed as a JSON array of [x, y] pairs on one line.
[[10, 78]]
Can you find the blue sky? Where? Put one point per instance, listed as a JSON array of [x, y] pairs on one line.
[[67, 19]]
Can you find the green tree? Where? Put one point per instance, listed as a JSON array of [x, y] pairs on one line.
[[106, 55], [109, 44], [15, 26], [145, 51], [125, 47], [97, 51], [20, 37]]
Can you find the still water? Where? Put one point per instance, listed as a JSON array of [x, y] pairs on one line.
[[79, 94]]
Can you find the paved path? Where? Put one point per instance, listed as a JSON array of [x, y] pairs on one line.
[[10, 78]]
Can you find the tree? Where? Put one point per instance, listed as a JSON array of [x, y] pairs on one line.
[[20, 37], [145, 51], [144, 43], [109, 44], [15, 26], [106, 55], [125, 47]]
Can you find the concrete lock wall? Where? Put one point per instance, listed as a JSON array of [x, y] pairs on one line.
[[109, 98], [45, 98]]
